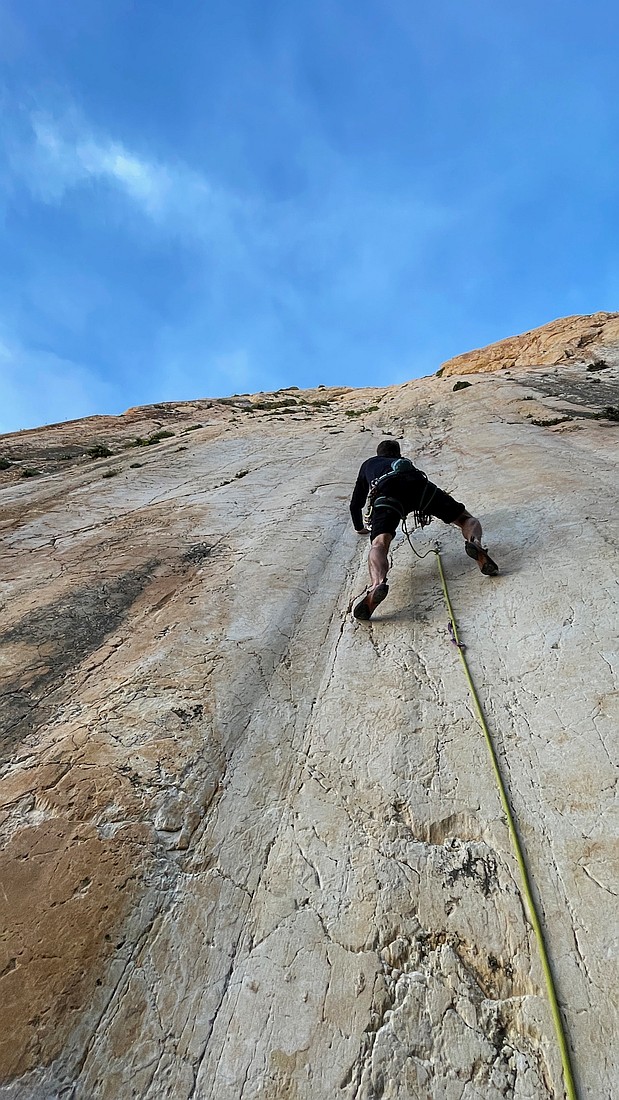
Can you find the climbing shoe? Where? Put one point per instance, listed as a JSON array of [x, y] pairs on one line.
[[479, 553], [363, 610]]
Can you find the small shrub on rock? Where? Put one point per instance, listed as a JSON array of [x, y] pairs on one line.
[[158, 436], [551, 422], [281, 405], [611, 412], [361, 412], [151, 440], [598, 364]]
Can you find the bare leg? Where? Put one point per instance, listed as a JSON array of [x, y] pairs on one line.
[[378, 561], [471, 530], [470, 527]]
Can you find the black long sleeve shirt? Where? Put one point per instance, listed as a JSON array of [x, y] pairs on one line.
[[412, 493], [370, 470]]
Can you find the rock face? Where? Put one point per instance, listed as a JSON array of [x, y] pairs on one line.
[[562, 341], [253, 848]]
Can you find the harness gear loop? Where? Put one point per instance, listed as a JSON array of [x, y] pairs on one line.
[[559, 1026], [432, 550], [405, 469]]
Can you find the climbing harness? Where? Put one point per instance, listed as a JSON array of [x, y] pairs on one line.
[[570, 1086], [420, 519], [403, 468]]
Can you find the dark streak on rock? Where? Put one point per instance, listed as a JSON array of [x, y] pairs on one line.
[[475, 868], [64, 633]]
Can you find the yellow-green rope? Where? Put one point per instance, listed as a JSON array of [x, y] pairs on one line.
[[570, 1086]]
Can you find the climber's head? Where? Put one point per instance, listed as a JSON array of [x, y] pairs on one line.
[[388, 448]]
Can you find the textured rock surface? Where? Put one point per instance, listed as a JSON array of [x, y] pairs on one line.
[[252, 848], [562, 341]]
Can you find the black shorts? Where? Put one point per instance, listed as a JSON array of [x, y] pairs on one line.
[[430, 499]]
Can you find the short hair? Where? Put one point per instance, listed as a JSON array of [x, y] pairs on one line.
[[388, 448]]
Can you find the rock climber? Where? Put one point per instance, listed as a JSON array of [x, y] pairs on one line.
[[393, 487]]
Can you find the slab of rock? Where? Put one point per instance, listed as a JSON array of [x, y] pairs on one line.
[[587, 338], [253, 848]]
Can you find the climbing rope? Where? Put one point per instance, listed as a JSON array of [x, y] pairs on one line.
[[432, 550], [570, 1087]]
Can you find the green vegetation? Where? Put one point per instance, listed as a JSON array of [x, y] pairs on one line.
[[611, 412], [4, 463], [267, 406], [152, 439], [551, 423], [598, 364], [461, 385], [360, 412], [192, 428], [29, 472], [99, 451]]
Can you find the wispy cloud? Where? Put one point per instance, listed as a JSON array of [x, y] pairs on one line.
[[272, 280], [59, 155], [70, 162]]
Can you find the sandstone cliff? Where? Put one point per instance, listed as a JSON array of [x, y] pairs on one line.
[[252, 848], [568, 339]]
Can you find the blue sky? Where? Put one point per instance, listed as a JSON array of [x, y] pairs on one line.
[[222, 196]]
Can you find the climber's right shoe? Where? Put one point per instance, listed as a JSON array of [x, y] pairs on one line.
[[368, 604], [479, 553]]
